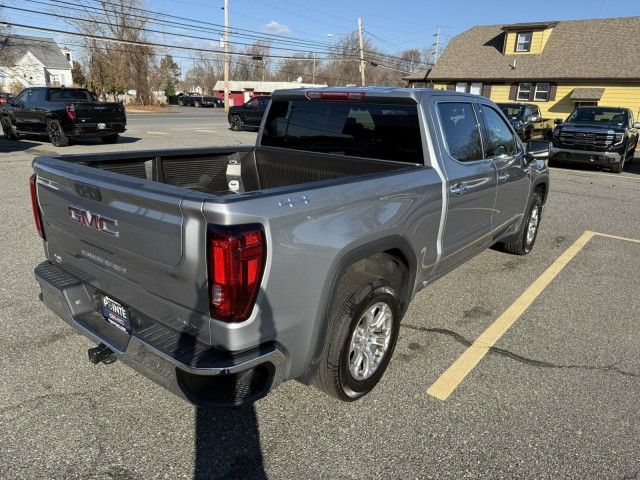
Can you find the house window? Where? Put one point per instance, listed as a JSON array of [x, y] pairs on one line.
[[461, 87], [54, 80], [524, 91], [523, 41], [476, 88], [542, 92]]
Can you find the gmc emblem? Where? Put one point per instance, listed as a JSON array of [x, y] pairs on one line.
[[93, 220]]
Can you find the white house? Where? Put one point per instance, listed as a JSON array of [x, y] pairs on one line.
[[33, 62]]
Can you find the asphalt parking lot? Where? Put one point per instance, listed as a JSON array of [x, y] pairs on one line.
[[553, 395]]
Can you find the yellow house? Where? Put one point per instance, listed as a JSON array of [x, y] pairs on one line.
[[556, 65]]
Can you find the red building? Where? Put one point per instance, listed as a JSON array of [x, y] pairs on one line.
[[240, 91]]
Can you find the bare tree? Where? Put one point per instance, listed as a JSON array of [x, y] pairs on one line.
[[255, 64], [116, 67]]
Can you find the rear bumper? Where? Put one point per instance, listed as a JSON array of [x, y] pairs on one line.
[[585, 156], [201, 375], [92, 130]]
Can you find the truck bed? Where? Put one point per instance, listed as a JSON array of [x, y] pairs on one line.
[[211, 170]]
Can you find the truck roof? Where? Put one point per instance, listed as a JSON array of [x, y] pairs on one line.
[[373, 93]]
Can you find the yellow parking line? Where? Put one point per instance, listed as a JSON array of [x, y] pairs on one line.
[[600, 174], [456, 373], [626, 239], [206, 131], [157, 133]]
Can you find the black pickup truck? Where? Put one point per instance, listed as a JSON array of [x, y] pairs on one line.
[[250, 114], [605, 136], [197, 100], [62, 114], [526, 120]]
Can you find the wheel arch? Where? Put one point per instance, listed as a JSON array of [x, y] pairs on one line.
[[368, 257]]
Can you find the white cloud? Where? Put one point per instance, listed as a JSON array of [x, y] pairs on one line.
[[277, 28]]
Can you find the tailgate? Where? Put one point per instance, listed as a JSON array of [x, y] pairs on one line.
[[123, 232], [97, 112]]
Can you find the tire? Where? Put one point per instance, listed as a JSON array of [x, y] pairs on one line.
[[111, 138], [619, 167], [8, 129], [525, 240], [56, 135], [236, 123], [196, 104], [359, 297]]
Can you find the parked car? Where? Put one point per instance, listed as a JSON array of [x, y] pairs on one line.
[[527, 120], [62, 114], [197, 100], [248, 115], [220, 272], [6, 98], [606, 136]]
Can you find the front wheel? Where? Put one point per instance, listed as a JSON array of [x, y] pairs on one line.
[[56, 135], [619, 167], [363, 331], [8, 130], [526, 236], [236, 123]]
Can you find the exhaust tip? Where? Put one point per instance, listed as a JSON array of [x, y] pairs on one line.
[[101, 354]]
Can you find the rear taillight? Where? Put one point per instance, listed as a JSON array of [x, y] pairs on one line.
[[236, 264], [37, 216], [71, 112]]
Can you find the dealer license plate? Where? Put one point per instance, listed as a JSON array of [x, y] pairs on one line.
[[116, 314]]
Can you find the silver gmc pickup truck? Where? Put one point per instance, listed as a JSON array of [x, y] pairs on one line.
[[221, 272]]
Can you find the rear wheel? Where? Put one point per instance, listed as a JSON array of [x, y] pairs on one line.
[[8, 130], [111, 138], [56, 135], [236, 123], [363, 331], [526, 236]]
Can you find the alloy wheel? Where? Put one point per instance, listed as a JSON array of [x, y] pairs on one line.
[[370, 341]]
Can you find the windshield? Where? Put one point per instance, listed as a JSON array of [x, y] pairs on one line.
[[599, 115], [71, 95], [369, 130], [513, 112]]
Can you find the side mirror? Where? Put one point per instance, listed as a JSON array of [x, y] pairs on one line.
[[538, 150], [557, 121], [636, 125]]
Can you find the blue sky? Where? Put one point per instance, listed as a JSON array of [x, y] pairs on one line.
[[392, 26]]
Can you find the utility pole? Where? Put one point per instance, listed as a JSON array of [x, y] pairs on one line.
[[362, 62], [313, 74], [437, 45], [226, 55]]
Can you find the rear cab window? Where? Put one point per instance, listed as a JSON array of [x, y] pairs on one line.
[[461, 132], [384, 131], [63, 95]]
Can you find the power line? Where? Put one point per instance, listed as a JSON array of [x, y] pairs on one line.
[[185, 26], [142, 29]]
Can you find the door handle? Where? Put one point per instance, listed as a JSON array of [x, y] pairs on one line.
[[458, 188]]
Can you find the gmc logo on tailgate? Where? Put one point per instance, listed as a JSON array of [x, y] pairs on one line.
[[93, 220]]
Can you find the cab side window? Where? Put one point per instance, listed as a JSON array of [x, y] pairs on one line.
[[23, 97], [461, 132], [37, 96], [499, 140]]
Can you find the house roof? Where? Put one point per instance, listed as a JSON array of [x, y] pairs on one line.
[[417, 76], [241, 85], [579, 49], [14, 47]]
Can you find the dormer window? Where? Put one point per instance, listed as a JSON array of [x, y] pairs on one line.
[[523, 41]]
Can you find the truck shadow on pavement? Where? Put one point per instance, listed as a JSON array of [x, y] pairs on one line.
[[9, 146], [227, 440]]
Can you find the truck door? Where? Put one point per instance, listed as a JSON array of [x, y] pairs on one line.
[[21, 110], [471, 183], [508, 155]]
